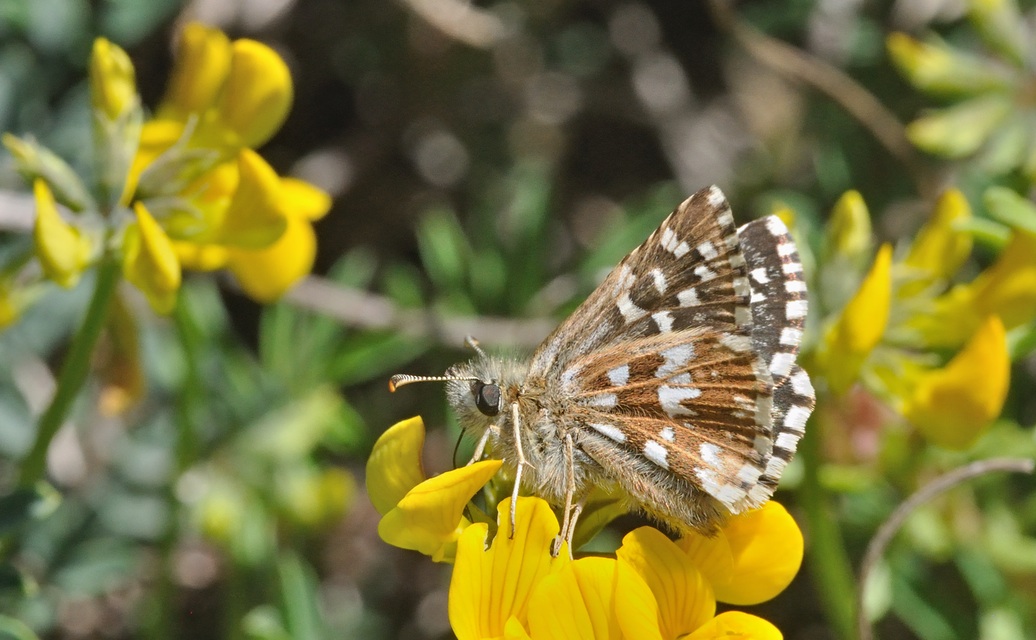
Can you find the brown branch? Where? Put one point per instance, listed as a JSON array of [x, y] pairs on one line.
[[460, 20], [365, 310], [891, 526], [797, 65]]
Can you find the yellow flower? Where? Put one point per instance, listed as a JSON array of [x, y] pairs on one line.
[[736, 625], [753, 558], [149, 261], [266, 273], [954, 406], [596, 599], [685, 598], [939, 249], [423, 515], [113, 86], [62, 250], [239, 92], [490, 588], [859, 327], [849, 229]]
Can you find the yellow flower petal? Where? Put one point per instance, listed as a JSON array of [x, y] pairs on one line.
[[200, 68], [62, 250], [258, 93], [591, 598], [767, 547], [1008, 287], [685, 598], [861, 324], [849, 230], [394, 466], [557, 610], [429, 517], [113, 88], [736, 625], [266, 274], [149, 261], [933, 66], [201, 257], [939, 248], [954, 406], [490, 587], [301, 199], [255, 218], [636, 608]]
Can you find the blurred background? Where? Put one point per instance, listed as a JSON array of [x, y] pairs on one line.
[[488, 162]]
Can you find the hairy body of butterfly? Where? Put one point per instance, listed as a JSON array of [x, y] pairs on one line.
[[674, 383]]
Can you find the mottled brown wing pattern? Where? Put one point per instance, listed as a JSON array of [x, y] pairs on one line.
[[696, 403], [689, 273]]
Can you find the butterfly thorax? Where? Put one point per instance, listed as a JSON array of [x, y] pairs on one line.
[[541, 420]]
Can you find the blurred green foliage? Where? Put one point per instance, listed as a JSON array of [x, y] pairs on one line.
[[488, 184]]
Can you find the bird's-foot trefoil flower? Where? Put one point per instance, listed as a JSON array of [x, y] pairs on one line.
[[508, 584]]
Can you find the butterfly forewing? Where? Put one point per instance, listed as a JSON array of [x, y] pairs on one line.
[[689, 273], [695, 403]]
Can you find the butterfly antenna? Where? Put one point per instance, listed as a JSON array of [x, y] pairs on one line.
[[401, 379], [473, 344]]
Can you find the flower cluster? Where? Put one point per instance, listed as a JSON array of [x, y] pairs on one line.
[[182, 189], [891, 334], [992, 95], [513, 587]]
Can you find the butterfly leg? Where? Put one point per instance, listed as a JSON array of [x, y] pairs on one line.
[[515, 422], [481, 446], [567, 525]]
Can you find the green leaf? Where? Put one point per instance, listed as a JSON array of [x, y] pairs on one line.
[[444, 249], [12, 629], [33, 160], [22, 505], [1010, 208], [299, 598]]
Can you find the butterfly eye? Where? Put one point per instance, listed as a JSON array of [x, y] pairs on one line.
[[487, 397]]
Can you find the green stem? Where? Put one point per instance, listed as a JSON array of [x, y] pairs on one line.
[[829, 562], [73, 372]]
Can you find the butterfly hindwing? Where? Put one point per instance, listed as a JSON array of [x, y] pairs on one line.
[[696, 404]]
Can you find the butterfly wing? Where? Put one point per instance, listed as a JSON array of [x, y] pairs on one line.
[[690, 272], [673, 361]]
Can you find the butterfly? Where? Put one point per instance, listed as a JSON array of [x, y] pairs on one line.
[[674, 384]]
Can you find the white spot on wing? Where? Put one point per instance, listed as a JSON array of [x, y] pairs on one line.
[[629, 311], [785, 249], [759, 275], [788, 441], [708, 250], [676, 358], [688, 297], [715, 197], [619, 376], [656, 453], [796, 309], [603, 400], [791, 336], [710, 455], [609, 431], [801, 385], [659, 279], [668, 434], [781, 364], [670, 398], [663, 320], [704, 273], [795, 286], [776, 226], [795, 419]]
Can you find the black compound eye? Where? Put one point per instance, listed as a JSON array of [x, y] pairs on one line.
[[487, 397]]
